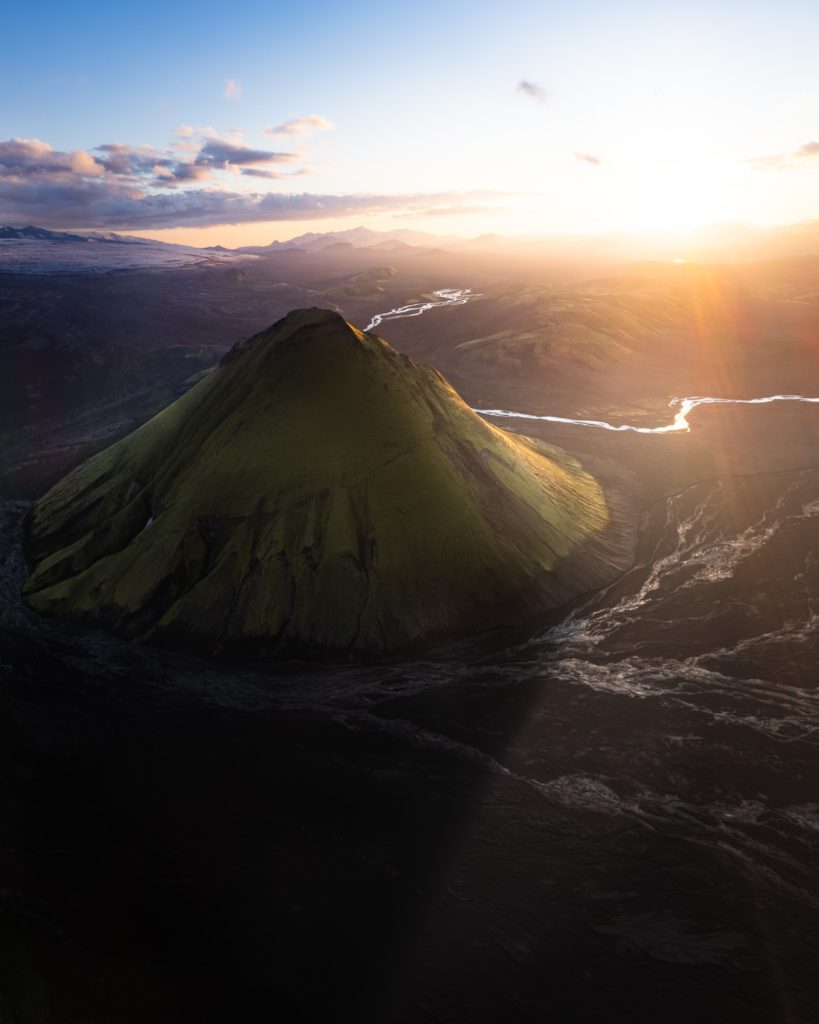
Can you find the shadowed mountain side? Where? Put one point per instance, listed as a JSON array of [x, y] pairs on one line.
[[368, 284], [591, 325], [318, 493]]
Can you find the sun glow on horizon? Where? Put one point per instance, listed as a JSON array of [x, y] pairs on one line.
[[685, 200]]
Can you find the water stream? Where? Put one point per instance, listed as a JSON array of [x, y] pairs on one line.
[[444, 297], [680, 421]]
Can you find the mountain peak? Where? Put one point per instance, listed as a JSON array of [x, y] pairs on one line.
[[315, 331], [317, 493]]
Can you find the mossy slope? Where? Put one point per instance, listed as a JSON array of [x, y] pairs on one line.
[[317, 492]]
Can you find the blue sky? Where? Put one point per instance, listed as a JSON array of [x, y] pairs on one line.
[[690, 112]]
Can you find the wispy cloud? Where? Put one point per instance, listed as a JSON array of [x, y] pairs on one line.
[[533, 90], [87, 204], [786, 161], [444, 211], [233, 89], [257, 172], [588, 158], [301, 126], [219, 153], [231, 134]]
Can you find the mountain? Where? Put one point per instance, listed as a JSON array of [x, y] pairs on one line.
[[535, 331], [33, 250], [716, 242], [317, 493], [39, 234], [368, 284], [392, 245], [35, 234], [337, 248], [358, 238]]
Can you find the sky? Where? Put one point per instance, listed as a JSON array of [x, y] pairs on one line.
[[240, 123]]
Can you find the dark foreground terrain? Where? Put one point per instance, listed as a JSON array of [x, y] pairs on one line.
[[609, 815]]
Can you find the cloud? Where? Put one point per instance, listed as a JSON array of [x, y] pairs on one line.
[[233, 89], [301, 126], [184, 131], [767, 163], [220, 153], [231, 134], [475, 201], [785, 161], [256, 172], [117, 158], [533, 90], [85, 163], [143, 167], [123, 187], [588, 158], [186, 171], [109, 205], [19, 157], [214, 154], [444, 211]]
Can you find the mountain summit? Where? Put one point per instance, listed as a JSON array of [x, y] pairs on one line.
[[316, 493]]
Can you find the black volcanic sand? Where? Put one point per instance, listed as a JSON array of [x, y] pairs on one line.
[[611, 816]]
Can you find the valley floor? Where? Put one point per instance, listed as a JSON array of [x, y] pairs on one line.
[[608, 815]]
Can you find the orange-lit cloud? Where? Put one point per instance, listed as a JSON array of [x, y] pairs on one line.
[[786, 161], [22, 157], [94, 204], [301, 126], [85, 163]]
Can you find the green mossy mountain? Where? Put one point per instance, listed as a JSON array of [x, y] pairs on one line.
[[316, 494]]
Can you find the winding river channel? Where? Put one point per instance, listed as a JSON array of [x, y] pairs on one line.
[[684, 406], [614, 807], [680, 421], [443, 297]]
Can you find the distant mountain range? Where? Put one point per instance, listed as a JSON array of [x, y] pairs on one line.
[[717, 243], [360, 238], [720, 243]]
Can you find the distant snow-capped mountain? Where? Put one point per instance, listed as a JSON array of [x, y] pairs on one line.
[[35, 250]]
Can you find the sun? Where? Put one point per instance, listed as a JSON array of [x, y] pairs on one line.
[[682, 200]]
